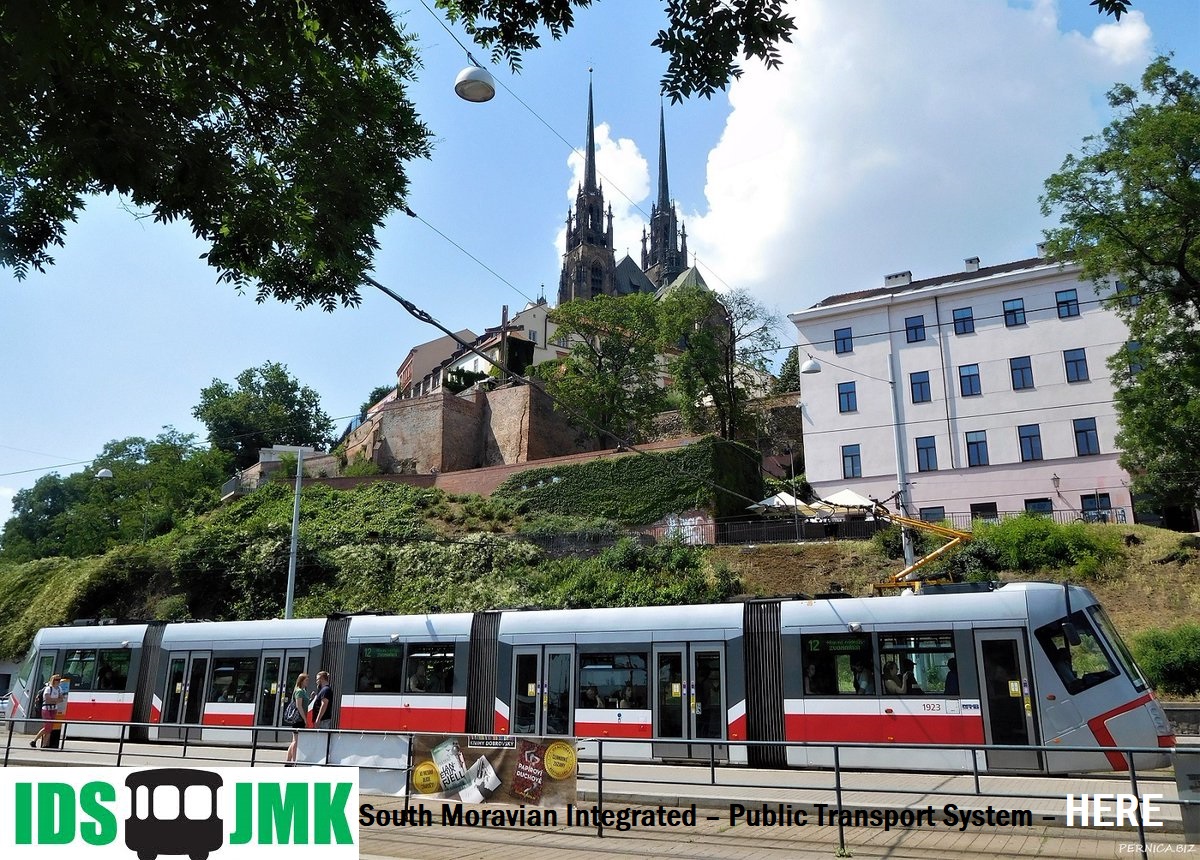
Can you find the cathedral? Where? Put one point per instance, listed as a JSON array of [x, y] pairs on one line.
[[589, 267]]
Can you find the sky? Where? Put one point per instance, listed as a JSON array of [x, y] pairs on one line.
[[895, 136]]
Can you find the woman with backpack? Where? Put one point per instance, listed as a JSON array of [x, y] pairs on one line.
[[51, 696]]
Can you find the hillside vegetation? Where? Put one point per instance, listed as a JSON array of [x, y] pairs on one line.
[[390, 547]]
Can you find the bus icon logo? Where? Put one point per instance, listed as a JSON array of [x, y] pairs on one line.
[[173, 811]]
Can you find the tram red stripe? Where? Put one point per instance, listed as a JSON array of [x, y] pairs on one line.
[[111, 712], [737, 729], [442, 720], [238, 720], [884, 728], [1099, 727]]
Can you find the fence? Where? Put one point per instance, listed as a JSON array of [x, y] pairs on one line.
[[835, 790]]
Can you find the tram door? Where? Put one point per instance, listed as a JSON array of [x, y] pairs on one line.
[[1007, 698], [187, 685], [543, 677], [279, 672], [689, 701]]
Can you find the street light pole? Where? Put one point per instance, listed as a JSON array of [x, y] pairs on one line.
[[795, 498], [814, 366], [291, 580]]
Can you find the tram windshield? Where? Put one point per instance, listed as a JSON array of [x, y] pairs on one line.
[[1118, 646], [1080, 666]]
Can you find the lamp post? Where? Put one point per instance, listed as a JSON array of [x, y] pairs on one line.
[[792, 482], [813, 366], [291, 580]]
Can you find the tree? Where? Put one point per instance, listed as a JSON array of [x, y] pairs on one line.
[[789, 373], [377, 393], [719, 360], [610, 377], [154, 484], [1130, 208], [268, 407]]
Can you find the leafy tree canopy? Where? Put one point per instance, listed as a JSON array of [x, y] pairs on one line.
[[377, 393], [789, 373], [268, 407], [1130, 207], [610, 377], [154, 484]]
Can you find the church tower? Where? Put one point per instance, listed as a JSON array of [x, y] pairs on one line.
[[589, 263], [666, 259]]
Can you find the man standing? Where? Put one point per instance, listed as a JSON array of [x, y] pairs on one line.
[[322, 703]]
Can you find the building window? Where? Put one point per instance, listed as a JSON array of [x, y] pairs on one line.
[[984, 511], [1039, 506], [932, 515], [1127, 296], [964, 321], [847, 399], [1087, 441], [1076, 362], [1068, 303], [919, 382], [1022, 372], [533, 337], [977, 454], [1132, 347], [851, 462], [843, 340], [1031, 442], [914, 328], [1095, 503], [968, 380], [1014, 312], [926, 454]]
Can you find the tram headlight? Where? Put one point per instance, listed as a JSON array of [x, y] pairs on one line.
[[1162, 726]]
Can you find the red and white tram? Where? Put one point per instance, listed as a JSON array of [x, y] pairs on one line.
[[1016, 666]]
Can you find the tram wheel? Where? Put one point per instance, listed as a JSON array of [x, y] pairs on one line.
[[146, 855], [200, 855]]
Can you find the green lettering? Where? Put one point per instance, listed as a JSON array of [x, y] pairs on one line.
[[91, 799], [24, 813], [244, 805], [281, 812], [329, 814], [56, 829]]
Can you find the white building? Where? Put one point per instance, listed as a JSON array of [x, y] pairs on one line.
[[1002, 396]]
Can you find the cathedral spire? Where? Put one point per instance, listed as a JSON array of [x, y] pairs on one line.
[[589, 170], [664, 196]]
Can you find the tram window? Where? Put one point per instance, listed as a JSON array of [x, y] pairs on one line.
[[199, 802], [921, 661], [234, 680], [838, 664], [114, 669], [619, 678], [141, 802], [380, 669], [80, 667], [26, 669], [430, 668], [1119, 646], [164, 802], [1078, 666]]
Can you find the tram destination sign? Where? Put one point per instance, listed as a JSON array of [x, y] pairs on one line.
[[226, 813]]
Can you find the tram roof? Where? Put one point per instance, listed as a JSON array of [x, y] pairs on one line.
[[625, 619], [273, 632], [91, 636], [427, 627]]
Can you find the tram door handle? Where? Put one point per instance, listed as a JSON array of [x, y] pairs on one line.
[[692, 698], [544, 691]]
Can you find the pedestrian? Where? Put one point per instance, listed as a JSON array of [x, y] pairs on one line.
[[51, 696], [322, 702], [300, 700]]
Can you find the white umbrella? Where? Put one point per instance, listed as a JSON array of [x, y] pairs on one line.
[[848, 499], [784, 502]]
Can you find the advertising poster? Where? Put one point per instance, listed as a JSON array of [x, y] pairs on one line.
[[487, 769]]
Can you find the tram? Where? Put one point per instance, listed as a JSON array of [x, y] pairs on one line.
[[1014, 666]]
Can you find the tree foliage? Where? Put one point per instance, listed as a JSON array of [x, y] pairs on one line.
[[788, 380], [377, 393], [1130, 207], [720, 360], [609, 380], [278, 130], [154, 485], [268, 407]]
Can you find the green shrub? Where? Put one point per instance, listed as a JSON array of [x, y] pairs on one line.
[[1171, 658], [977, 561], [890, 542], [360, 466], [1031, 543]]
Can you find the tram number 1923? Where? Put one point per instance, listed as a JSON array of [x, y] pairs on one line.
[[931, 706]]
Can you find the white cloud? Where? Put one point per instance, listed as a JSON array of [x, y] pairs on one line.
[[620, 167], [900, 136]]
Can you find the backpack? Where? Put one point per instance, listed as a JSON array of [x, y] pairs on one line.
[[35, 709]]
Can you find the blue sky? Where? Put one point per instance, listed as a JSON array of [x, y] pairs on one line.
[[896, 136]]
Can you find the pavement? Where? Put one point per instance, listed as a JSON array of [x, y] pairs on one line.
[[808, 795]]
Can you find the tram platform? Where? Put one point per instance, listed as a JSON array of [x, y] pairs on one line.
[[713, 834]]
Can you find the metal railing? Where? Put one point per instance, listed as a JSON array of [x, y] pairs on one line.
[[599, 769]]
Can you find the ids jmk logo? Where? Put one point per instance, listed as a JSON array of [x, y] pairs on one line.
[[176, 811]]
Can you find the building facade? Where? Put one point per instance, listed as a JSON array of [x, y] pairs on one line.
[[982, 392]]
